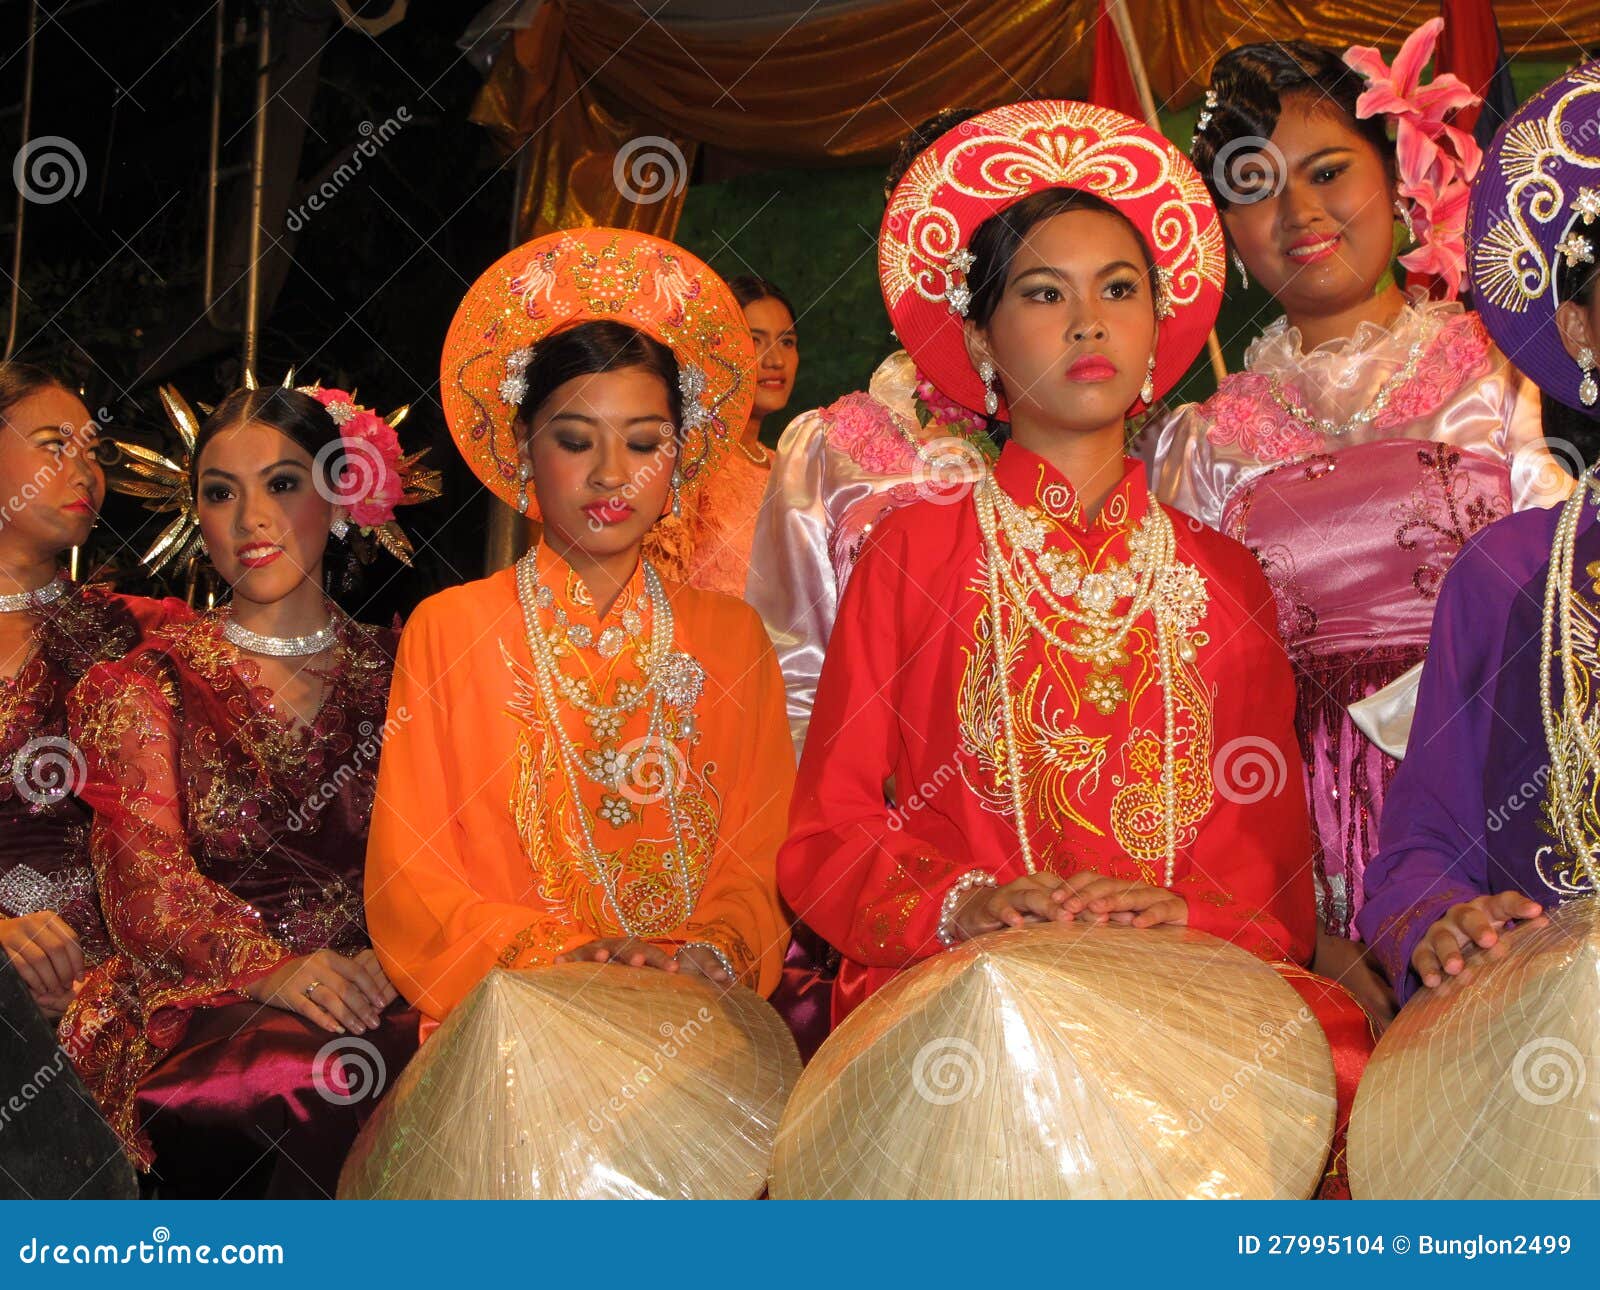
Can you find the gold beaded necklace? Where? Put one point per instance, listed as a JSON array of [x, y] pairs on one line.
[[1567, 774], [1153, 581]]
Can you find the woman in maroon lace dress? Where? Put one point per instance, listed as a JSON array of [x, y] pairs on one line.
[[231, 763], [51, 632]]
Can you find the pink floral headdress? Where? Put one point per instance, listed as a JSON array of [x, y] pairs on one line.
[[1436, 161], [370, 473], [371, 476]]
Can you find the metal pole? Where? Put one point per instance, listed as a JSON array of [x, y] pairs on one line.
[[1117, 11], [22, 201], [214, 159], [258, 170]]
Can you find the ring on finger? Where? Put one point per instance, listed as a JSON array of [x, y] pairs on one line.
[[310, 989]]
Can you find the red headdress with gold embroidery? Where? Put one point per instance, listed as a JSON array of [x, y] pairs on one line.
[[999, 157], [586, 275]]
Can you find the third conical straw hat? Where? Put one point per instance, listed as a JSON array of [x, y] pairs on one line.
[[1067, 1061], [1488, 1087], [584, 1081]]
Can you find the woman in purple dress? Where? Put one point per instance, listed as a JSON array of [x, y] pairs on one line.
[[231, 764], [51, 631], [1495, 813]]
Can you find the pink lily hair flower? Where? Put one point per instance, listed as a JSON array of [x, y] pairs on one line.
[[1435, 160]]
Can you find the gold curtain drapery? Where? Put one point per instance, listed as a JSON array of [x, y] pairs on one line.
[[584, 81]]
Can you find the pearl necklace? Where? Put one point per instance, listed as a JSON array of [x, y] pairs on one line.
[[675, 679], [1373, 410], [324, 638], [1567, 775], [17, 602], [1153, 580]]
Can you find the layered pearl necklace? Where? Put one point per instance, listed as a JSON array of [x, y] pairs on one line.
[[324, 638], [673, 679], [1568, 773], [17, 602], [1153, 581]]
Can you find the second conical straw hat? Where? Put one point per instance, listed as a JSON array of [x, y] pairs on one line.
[[1067, 1061], [584, 1081], [1489, 1087]]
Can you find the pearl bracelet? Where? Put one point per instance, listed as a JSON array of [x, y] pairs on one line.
[[973, 878], [727, 963]]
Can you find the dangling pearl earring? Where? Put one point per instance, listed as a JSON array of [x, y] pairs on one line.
[[1404, 212], [524, 474], [1244, 277], [991, 400], [1588, 391], [677, 500], [1147, 391]]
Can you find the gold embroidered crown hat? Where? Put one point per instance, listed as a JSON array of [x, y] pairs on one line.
[[592, 275], [1002, 156], [1532, 220]]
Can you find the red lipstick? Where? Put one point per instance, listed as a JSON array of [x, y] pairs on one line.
[[1091, 369], [613, 510]]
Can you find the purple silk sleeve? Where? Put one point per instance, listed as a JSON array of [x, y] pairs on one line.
[[1439, 831]]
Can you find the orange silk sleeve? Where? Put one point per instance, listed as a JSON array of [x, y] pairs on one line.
[[870, 889], [738, 910], [441, 888], [1249, 880]]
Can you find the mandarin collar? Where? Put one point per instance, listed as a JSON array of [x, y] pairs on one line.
[[1033, 481]]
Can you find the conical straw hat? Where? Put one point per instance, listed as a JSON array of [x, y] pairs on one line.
[[582, 1081], [1067, 1061], [1489, 1087]]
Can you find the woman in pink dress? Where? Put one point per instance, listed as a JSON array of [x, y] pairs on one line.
[[1371, 432]]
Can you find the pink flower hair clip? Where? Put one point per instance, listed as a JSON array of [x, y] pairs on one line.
[[1436, 161], [371, 474]]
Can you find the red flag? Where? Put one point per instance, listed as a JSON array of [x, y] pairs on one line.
[[1111, 84], [1470, 47]]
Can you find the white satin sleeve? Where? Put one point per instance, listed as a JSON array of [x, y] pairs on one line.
[[791, 581], [1538, 476], [1183, 470]]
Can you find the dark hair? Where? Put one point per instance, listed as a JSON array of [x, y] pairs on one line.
[[303, 419], [1575, 282], [995, 241], [20, 381], [1251, 83], [922, 136], [747, 289], [598, 346]]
